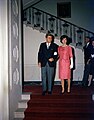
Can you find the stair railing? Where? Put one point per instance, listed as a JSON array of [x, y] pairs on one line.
[[48, 23]]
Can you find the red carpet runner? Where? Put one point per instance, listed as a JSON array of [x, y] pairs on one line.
[[77, 105]]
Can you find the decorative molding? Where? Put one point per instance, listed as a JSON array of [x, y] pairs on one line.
[[15, 7], [16, 77], [15, 53], [15, 30]]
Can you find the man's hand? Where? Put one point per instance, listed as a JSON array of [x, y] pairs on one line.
[[39, 64], [88, 61], [51, 59]]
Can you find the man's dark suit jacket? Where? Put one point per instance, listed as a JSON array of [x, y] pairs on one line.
[[44, 54], [87, 50]]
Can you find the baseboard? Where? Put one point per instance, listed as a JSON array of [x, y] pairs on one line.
[[55, 82]]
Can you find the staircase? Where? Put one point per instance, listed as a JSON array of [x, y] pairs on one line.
[[22, 105], [47, 23], [77, 105]]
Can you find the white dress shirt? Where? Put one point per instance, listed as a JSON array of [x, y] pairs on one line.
[[48, 45]]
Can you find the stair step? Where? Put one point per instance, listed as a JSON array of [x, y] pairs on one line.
[[62, 118], [58, 104], [22, 104], [19, 113], [59, 110], [61, 114], [26, 96], [18, 119], [60, 96]]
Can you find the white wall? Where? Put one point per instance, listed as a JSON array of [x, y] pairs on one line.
[[82, 11], [32, 40], [4, 106]]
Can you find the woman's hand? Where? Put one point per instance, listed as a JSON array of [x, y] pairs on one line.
[[71, 65]]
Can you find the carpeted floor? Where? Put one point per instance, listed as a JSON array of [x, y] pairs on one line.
[[77, 105]]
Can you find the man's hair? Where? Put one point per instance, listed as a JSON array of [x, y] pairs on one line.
[[92, 38], [87, 37], [48, 34]]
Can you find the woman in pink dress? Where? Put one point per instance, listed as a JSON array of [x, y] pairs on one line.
[[65, 61]]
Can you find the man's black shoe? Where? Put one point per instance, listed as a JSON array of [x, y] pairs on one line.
[[43, 93], [49, 92], [84, 85]]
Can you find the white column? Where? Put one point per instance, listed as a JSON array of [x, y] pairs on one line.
[[4, 109]]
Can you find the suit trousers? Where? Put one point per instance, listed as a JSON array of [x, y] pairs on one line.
[[86, 74], [47, 75]]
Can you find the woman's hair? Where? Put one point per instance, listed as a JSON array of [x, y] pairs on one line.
[[87, 37], [92, 38], [64, 36]]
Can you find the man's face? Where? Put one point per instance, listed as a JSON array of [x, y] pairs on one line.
[[49, 39], [86, 40], [93, 43]]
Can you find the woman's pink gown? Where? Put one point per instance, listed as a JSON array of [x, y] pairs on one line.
[[65, 53]]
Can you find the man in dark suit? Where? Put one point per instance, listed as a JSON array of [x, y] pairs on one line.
[[91, 62], [47, 58], [87, 49]]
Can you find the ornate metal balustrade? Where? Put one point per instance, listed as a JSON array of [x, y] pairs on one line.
[[46, 22]]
